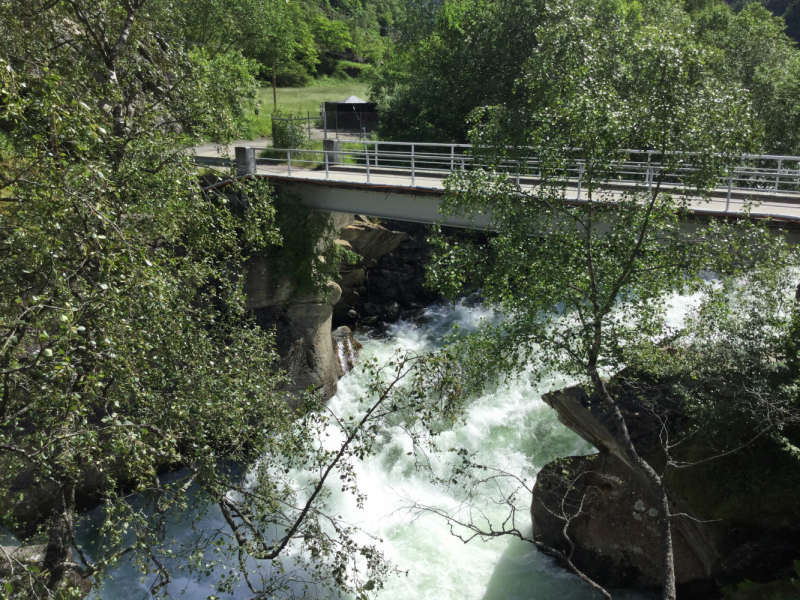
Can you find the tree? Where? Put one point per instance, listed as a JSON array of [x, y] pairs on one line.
[[273, 32], [581, 283], [288, 36], [472, 58], [125, 350], [756, 53]]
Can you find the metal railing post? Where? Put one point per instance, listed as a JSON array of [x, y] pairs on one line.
[[649, 173], [366, 155], [580, 178], [324, 123], [289, 160], [376, 154], [327, 172], [452, 155], [412, 165], [730, 187], [518, 170], [778, 175]]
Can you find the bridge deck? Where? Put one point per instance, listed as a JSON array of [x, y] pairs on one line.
[[414, 194]]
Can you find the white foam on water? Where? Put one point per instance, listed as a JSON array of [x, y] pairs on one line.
[[510, 428]]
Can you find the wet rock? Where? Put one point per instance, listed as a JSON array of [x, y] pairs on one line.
[[303, 340], [345, 348], [616, 537], [736, 528], [392, 311]]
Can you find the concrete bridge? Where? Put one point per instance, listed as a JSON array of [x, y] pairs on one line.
[[405, 181]]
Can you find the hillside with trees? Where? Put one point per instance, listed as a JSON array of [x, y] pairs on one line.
[[475, 53], [135, 378], [295, 41]]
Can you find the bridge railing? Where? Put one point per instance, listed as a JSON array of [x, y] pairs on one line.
[[417, 163]]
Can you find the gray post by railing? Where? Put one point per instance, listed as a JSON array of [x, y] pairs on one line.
[[649, 173], [324, 123], [412, 165], [245, 159], [325, 155], [452, 156], [331, 149], [778, 176]]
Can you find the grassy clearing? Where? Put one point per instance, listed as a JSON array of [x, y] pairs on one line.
[[300, 101]]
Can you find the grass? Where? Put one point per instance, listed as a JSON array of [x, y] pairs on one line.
[[300, 100]]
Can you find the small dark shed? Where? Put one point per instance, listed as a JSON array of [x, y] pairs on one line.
[[351, 114]]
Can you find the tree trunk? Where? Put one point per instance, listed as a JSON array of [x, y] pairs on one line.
[[668, 591], [59, 537], [274, 89]]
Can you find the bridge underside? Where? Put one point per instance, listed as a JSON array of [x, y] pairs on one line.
[[385, 203], [421, 204]]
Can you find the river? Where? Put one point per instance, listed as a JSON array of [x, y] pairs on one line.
[[510, 427]]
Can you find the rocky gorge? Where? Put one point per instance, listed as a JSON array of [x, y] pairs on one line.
[[313, 330], [743, 520]]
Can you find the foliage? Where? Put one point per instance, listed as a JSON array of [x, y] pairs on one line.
[[583, 284], [124, 346], [787, 11], [308, 257], [476, 52], [287, 133], [472, 58], [756, 53], [294, 37]]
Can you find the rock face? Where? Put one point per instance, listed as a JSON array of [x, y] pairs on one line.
[[302, 327], [345, 349], [311, 357], [617, 536], [389, 280], [746, 534]]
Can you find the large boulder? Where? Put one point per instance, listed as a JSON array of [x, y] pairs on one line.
[[371, 241], [742, 518], [616, 532]]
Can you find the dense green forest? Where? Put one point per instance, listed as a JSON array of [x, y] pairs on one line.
[[473, 53], [300, 39]]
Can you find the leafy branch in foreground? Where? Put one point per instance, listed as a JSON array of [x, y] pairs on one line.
[[584, 283], [130, 374]]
